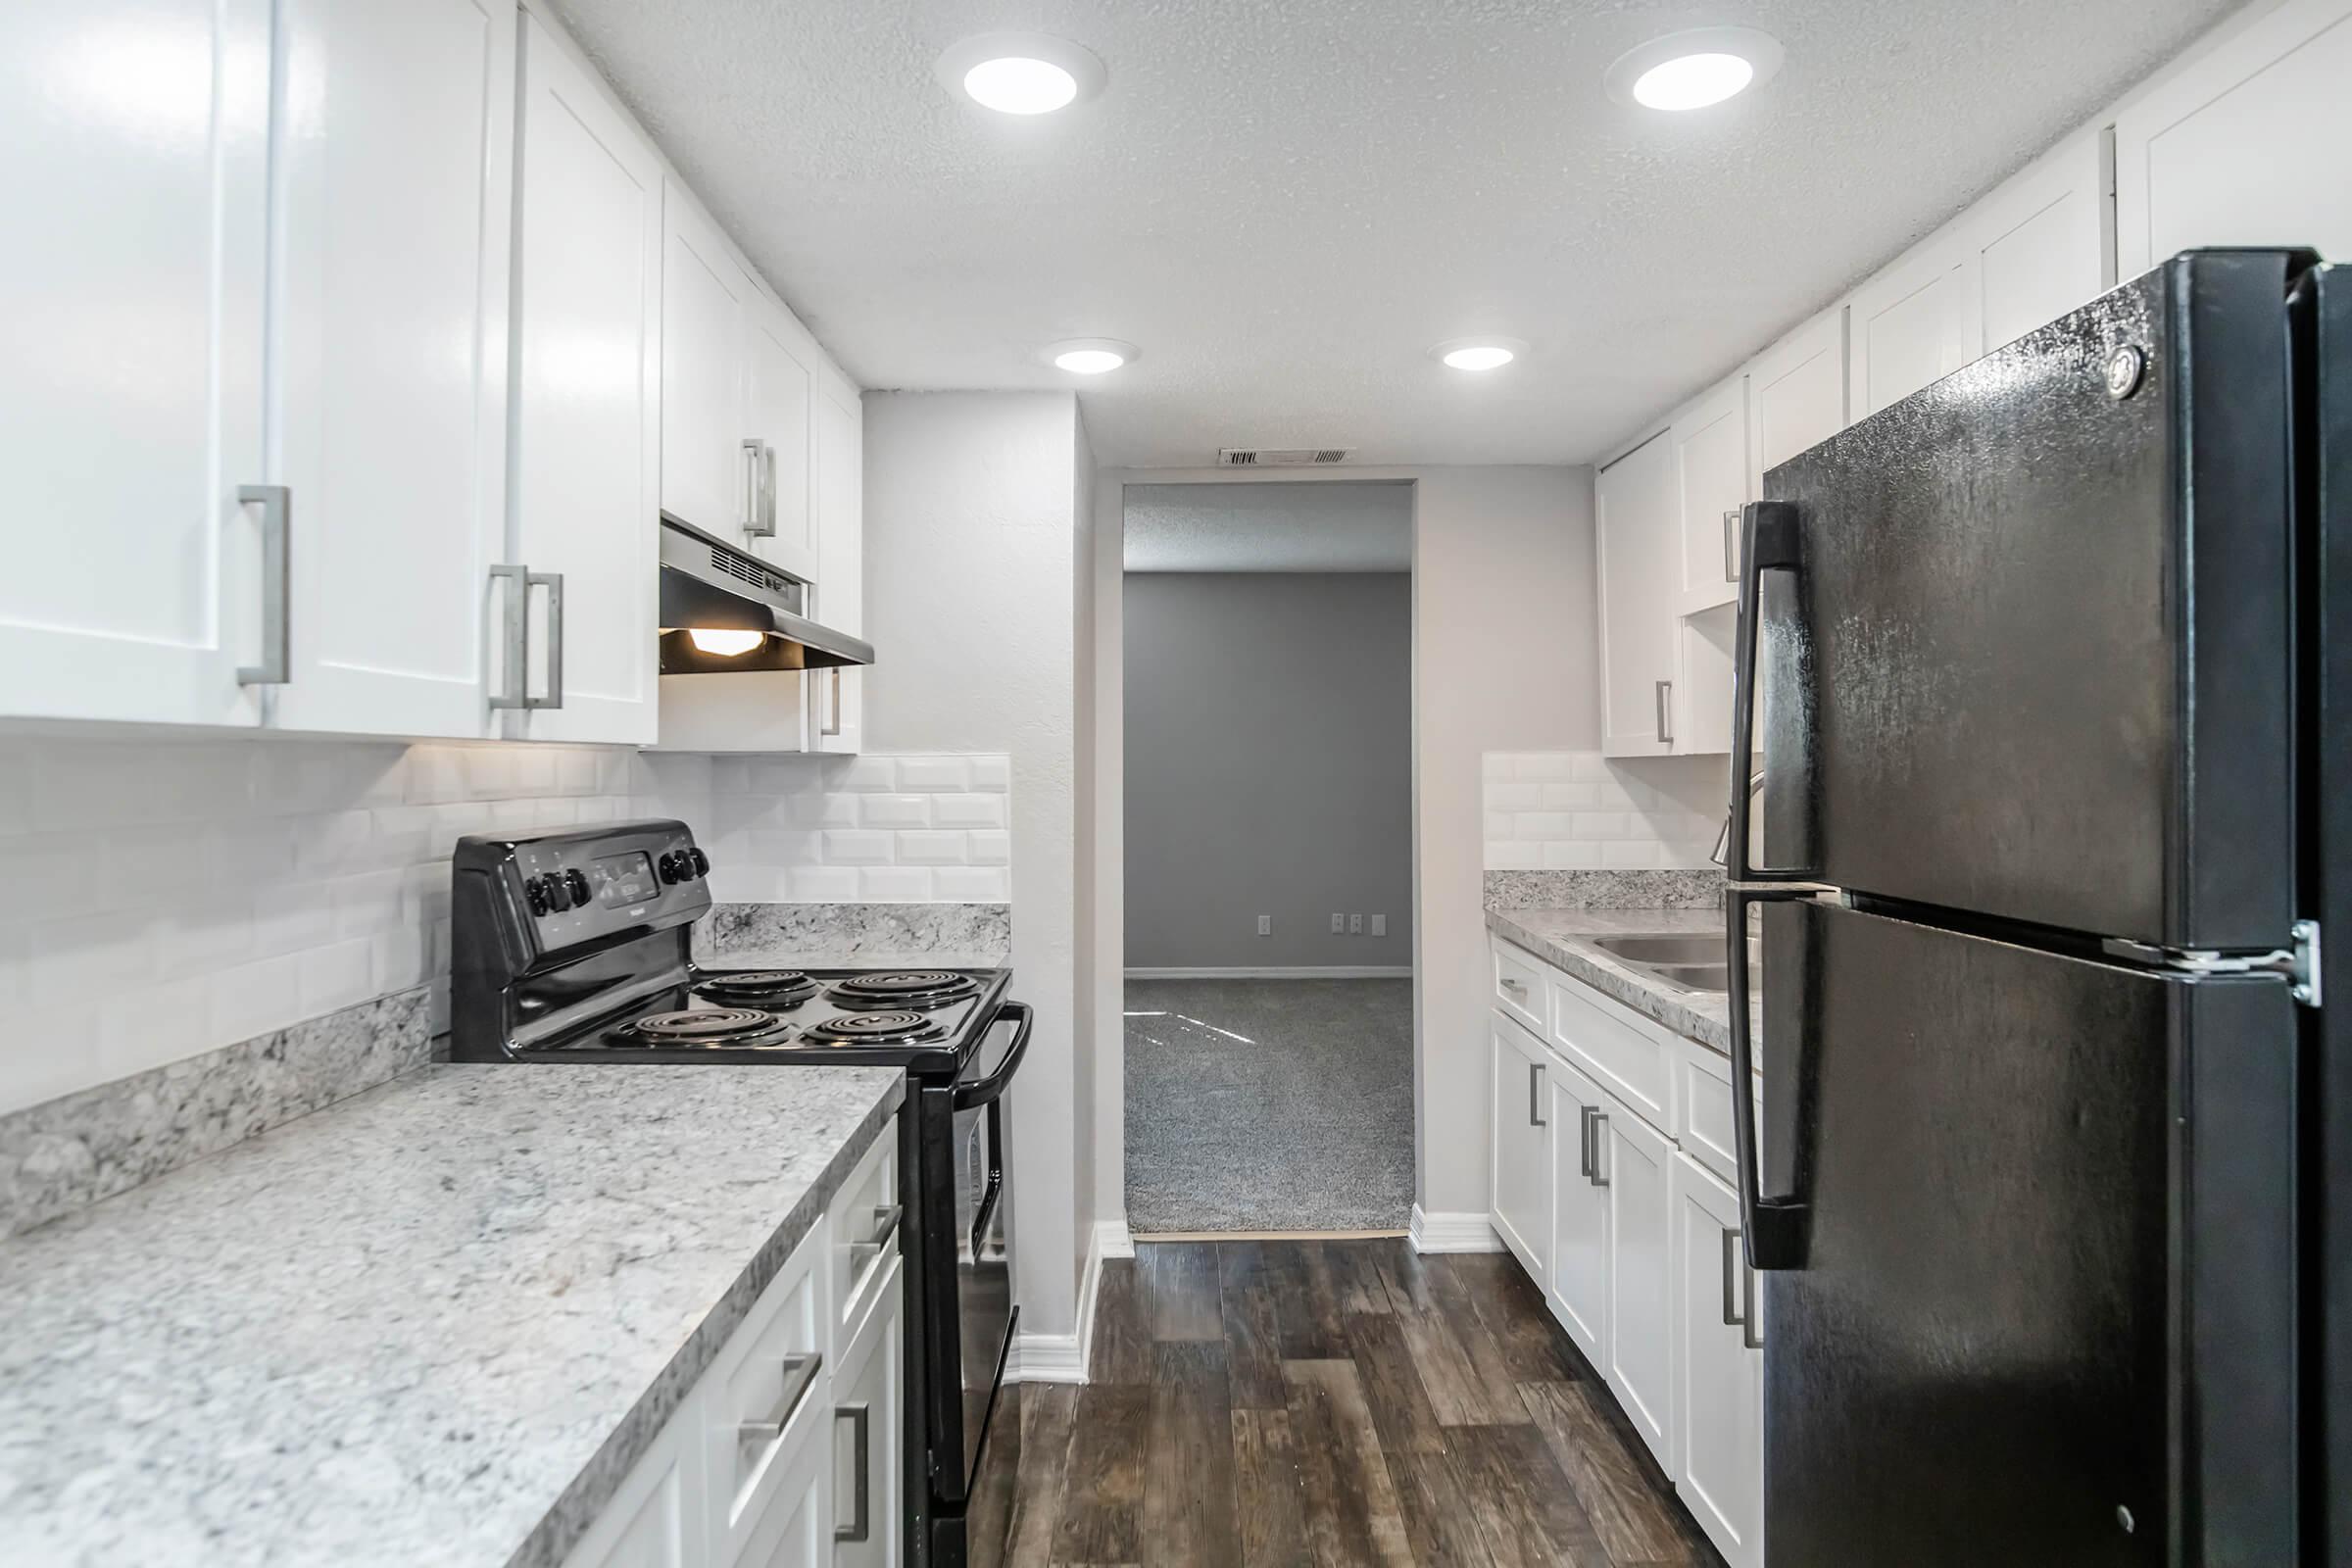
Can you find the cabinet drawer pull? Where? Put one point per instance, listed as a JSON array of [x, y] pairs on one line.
[[1730, 549], [1600, 1123], [1732, 1317], [515, 634], [1665, 694], [752, 518], [553, 582], [886, 1226], [1583, 1142], [1517, 988], [1534, 1094], [800, 1374], [860, 1416], [832, 726], [277, 502]]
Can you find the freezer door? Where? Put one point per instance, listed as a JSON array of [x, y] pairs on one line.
[[2045, 1308], [2033, 657]]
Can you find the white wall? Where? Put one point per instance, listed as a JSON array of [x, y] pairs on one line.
[[970, 524], [174, 896]]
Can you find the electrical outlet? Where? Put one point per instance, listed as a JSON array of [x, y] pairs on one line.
[[1380, 925], [1339, 925], [1265, 925], [1356, 926]]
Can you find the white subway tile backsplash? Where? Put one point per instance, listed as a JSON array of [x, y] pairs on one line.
[[988, 847], [1580, 811], [968, 810], [856, 847], [972, 884], [821, 884], [991, 775], [895, 883], [934, 775], [893, 810], [932, 847], [869, 775]]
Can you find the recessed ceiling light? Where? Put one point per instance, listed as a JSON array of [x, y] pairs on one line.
[[1478, 353], [1021, 73], [1694, 68], [1090, 355]]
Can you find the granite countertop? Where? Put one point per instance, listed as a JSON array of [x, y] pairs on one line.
[[436, 1322], [1563, 938]]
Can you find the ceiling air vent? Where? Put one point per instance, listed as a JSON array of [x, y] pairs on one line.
[[1280, 457]]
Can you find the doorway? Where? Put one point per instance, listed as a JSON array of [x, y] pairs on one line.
[[1268, 858]]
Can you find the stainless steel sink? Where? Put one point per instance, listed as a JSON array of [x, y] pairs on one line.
[[1683, 960]]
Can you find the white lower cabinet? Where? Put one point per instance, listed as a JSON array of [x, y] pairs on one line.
[[1634, 1169], [1522, 1143], [1718, 1368], [786, 1453], [1639, 1234], [1579, 1286]]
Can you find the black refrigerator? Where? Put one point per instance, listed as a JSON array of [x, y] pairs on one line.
[[2049, 671]]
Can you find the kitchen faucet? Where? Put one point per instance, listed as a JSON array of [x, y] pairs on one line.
[[1723, 840]]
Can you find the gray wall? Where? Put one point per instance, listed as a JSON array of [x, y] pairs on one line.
[[1269, 764]]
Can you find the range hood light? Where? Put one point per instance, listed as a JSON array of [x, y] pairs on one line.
[[724, 642]]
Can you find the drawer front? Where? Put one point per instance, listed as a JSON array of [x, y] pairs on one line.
[[863, 1231], [1629, 1058], [765, 1396], [791, 1523], [1705, 1133], [1520, 984]]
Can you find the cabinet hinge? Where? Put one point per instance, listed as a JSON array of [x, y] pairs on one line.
[[2299, 964]]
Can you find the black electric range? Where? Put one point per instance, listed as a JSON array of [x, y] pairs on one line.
[[576, 947]]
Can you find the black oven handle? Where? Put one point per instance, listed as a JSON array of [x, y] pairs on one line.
[[985, 1091]]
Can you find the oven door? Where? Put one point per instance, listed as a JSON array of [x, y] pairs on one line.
[[984, 1306]]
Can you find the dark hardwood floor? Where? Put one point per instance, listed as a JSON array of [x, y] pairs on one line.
[[1265, 1405]]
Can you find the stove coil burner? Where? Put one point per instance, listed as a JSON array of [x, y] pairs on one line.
[[702, 1026], [904, 1027], [913, 988], [772, 989]]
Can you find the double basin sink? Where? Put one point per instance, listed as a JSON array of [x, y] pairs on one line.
[[1690, 963]]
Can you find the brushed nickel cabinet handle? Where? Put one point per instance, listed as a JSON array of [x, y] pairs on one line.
[[800, 1374], [750, 519], [860, 1416], [1583, 1141], [277, 502], [1665, 693], [1732, 1317], [886, 1226], [553, 582], [1600, 1123], [1730, 548], [1751, 1332], [832, 726], [513, 635], [1534, 1094]]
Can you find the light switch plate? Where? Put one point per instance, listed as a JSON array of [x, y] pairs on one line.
[[1339, 925], [1380, 925], [1265, 925], [1356, 926]]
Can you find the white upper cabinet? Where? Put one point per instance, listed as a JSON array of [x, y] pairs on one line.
[[2244, 145], [1635, 507], [586, 458], [131, 413], [837, 697], [396, 150], [709, 455], [2025, 254], [1796, 395], [777, 417], [1710, 471]]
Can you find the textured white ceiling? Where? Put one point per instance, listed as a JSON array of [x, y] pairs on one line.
[[1286, 201], [1324, 525]]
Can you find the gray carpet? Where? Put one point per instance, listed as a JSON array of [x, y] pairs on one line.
[[1269, 1105]]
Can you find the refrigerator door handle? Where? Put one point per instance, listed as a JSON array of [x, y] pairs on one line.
[[1771, 544], [1774, 1227]]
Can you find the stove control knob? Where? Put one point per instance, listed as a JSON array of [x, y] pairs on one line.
[[668, 865], [534, 893], [559, 894], [576, 880], [702, 862]]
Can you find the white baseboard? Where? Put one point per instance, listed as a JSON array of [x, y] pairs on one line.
[[1064, 1357], [1330, 971], [1454, 1233]]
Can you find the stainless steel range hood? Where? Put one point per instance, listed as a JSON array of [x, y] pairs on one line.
[[708, 585]]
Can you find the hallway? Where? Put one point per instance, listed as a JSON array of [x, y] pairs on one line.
[[1270, 1105], [1271, 1404]]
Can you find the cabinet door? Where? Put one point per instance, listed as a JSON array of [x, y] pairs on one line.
[[837, 697], [1718, 1380], [1520, 1135], [1913, 323], [2245, 146], [1635, 506], [587, 356], [791, 1526], [1636, 1172], [652, 1521], [779, 410], [1710, 473], [131, 411], [2038, 245], [705, 473], [868, 1424], [1796, 395], [391, 328], [1579, 1286]]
